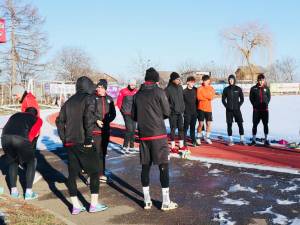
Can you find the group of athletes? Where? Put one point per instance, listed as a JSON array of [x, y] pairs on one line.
[[83, 126]]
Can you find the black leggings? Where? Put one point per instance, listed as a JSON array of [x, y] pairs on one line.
[[164, 175], [88, 161], [229, 128], [130, 125], [30, 172], [101, 143]]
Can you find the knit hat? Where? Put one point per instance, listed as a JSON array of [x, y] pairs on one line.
[[103, 83], [174, 76], [152, 75], [231, 76]]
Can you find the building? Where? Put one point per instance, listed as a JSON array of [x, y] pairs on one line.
[[246, 73]]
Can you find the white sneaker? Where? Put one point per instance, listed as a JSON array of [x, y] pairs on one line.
[[198, 141], [125, 150], [208, 141], [170, 206], [230, 143], [148, 205]]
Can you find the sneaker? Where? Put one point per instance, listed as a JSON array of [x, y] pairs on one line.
[[125, 150], [230, 143], [15, 195], [148, 205], [170, 206], [31, 196], [266, 143], [76, 211], [98, 208], [103, 179], [198, 142], [208, 141], [174, 150], [243, 143], [252, 143]]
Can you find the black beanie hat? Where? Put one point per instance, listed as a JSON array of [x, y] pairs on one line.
[[152, 75], [103, 83], [261, 77], [174, 76], [231, 76]]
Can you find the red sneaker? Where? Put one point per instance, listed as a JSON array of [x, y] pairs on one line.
[[174, 150]]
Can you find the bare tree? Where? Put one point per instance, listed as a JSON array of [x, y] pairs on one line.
[[71, 63], [247, 39], [26, 40], [283, 70], [140, 65]]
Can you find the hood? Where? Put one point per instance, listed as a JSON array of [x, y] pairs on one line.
[[85, 85], [232, 77], [148, 86]]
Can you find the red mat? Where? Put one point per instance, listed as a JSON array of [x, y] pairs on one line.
[[267, 156]]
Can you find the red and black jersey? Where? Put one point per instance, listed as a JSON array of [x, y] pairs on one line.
[[125, 100], [105, 112], [260, 97], [23, 124]]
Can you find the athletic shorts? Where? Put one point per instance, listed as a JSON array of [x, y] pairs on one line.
[[260, 115], [234, 116], [154, 151], [204, 116]]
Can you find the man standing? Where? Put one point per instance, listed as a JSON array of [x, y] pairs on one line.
[[150, 108], [205, 95], [18, 144], [105, 114], [260, 97], [124, 103], [232, 99], [174, 93], [75, 124], [190, 112]]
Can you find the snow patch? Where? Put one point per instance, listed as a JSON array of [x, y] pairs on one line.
[[215, 171], [288, 189], [222, 217], [285, 202], [279, 219], [239, 202], [238, 187], [222, 195], [257, 175], [295, 221]]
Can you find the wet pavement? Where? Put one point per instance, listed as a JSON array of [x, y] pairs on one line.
[[206, 193]]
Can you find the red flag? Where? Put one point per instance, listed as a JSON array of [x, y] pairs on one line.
[[2, 31]]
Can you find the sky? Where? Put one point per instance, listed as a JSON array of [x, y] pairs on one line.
[[167, 33]]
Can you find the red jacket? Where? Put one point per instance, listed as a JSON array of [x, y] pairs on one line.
[[125, 100], [30, 101]]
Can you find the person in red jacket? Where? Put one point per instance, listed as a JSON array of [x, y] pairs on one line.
[[17, 140], [29, 100], [124, 103]]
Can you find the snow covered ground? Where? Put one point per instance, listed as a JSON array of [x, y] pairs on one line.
[[284, 121]]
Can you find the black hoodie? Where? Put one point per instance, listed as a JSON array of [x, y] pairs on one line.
[[175, 96], [76, 118], [150, 108], [232, 97]]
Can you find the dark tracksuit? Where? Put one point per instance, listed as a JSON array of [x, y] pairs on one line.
[[150, 108], [175, 97], [124, 103], [190, 112], [75, 123], [260, 98], [18, 143], [105, 112], [232, 99]]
